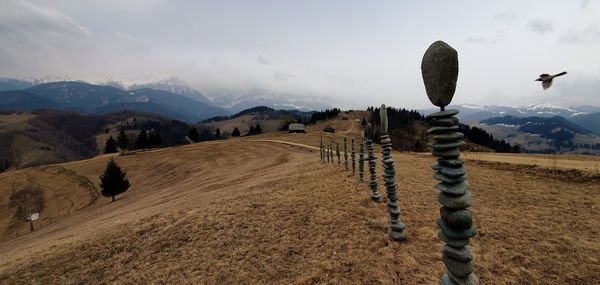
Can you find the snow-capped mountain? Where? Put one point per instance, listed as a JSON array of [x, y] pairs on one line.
[[476, 113], [173, 85], [237, 100]]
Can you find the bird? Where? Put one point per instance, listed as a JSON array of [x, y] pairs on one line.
[[546, 79]]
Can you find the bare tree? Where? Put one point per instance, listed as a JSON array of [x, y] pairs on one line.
[[28, 201]]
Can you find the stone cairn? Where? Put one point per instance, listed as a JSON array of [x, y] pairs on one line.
[[439, 69], [321, 150], [337, 152], [372, 161], [397, 227], [353, 155], [361, 160], [345, 154], [328, 150]]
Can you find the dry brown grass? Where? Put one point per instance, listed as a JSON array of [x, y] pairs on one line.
[[241, 211]]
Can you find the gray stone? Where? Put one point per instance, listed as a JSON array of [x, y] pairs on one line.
[[449, 153], [447, 279], [451, 162], [453, 242], [384, 119], [462, 253], [455, 202], [458, 268], [455, 233], [446, 145], [459, 219], [442, 130], [449, 180], [456, 189], [451, 172], [447, 137], [442, 114], [439, 69], [444, 122]]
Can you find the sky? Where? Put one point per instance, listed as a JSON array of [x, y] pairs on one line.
[[357, 53]]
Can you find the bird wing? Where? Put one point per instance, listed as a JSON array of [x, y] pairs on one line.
[[546, 84], [544, 75]]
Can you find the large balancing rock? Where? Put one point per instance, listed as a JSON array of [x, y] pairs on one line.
[[439, 69]]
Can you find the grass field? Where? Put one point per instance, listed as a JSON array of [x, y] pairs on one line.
[[249, 211]]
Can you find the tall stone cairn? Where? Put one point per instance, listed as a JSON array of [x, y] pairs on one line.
[[328, 150], [345, 154], [337, 152], [331, 152], [397, 227], [372, 161], [439, 68], [361, 162], [353, 156]]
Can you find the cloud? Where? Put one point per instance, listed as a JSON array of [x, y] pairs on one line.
[[505, 17], [584, 3], [129, 41], [587, 35], [263, 60], [282, 76], [480, 40], [541, 26]]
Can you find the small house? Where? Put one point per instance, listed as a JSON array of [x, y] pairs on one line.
[[297, 128]]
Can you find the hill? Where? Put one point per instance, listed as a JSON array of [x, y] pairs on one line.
[[540, 134], [589, 121], [252, 211], [270, 120]]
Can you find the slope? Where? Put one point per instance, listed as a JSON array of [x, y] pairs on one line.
[[243, 211]]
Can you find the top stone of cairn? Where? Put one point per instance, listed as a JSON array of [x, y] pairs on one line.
[[439, 68], [384, 119]]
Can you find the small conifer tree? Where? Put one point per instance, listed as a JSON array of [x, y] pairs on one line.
[[122, 140], [235, 132], [114, 180], [257, 129], [111, 145], [218, 134], [142, 140], [194, 135]]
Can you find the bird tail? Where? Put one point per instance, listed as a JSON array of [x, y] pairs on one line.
[[560, 74]]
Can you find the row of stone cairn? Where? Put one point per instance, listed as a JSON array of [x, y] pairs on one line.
[[439, 69]]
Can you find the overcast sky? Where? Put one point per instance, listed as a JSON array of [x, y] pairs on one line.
[[358, 53]]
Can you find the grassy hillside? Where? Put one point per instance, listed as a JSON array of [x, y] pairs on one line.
[[251, 211]]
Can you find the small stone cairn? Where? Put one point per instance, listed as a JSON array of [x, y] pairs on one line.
[[337, 152], [397, 227], [361, 160], [353, 156], [439, 69], [372, 161], [345, 154]]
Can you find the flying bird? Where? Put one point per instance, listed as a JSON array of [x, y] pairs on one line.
[[546, 79]]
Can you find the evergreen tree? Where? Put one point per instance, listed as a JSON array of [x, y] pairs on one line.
[[114, 180], [218, 134], [251, 131], [157, 140], [206, 135], [111, 145], [193, 134], [257, 129], [142, 140], [363, 122], [235, 132], [122, 140]]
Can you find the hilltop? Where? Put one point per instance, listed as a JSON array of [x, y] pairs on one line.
[[254, 210]]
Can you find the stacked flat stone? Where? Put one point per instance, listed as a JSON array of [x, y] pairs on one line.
[[331, 152], [337, 152], [440, 71], [321, 150], [353, 156], [397, 229], [345, 154], [361, 163], [372, 161], [327, 153]]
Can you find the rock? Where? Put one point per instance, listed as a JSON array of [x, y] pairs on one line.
[[446, 145], [444, 122], [455, 202], [455, 189], [448, 137], [453, 242], [439, 69], [384, 119], [455, 233], [458, 268], [448, 279], [442, 130], [451, 162], [459, 219], [448, 153], [461, 253], [449, 180], [442, 114]]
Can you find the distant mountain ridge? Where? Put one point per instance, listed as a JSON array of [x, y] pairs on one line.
[[238, 100], [90, 98]]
